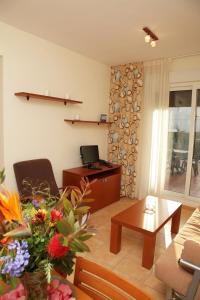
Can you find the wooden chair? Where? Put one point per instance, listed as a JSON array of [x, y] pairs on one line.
[[102, 284]]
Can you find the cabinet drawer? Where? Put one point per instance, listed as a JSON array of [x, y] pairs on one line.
[[105, 190]]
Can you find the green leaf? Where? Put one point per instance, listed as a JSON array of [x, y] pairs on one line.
[[13, 282], [74, 198], [87, 192], [76, 226], [65, 241], [78, 246], [1, 254], [22, 230], [64, 227], [85, 237], [67, 205], [66, 264], [82, 210], [47, 266], [71, 218], [74, 247], [1, 287], [2, 176]]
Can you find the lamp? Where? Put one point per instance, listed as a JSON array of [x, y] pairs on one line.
[[153, 43], [147, 38], [150, 37]]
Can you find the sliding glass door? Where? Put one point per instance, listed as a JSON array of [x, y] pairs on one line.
[[195, 175], [182, 167]]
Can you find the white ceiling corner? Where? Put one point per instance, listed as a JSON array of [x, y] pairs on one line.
[[110, 31]]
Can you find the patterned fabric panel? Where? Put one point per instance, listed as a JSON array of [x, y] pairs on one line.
[[126, 94]]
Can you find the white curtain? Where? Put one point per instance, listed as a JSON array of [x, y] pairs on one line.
[[153, 140]]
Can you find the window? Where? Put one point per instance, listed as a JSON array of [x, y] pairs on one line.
[[182, 172]]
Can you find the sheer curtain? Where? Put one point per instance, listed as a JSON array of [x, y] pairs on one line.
[[153, 140]]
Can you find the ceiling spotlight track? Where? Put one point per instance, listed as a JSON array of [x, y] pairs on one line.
[[150, 37]]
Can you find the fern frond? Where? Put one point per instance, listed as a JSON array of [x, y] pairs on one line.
[[47, 267]]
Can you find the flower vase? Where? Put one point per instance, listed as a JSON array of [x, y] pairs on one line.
[[35, 284]]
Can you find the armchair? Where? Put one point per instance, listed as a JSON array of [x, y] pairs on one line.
[[190, 262], [37, 172]]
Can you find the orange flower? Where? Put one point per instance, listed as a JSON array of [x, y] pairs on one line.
[[5, 240], [10, 206]]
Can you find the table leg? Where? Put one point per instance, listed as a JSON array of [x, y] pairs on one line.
[[148, 250], [176, 221], [115, 238]]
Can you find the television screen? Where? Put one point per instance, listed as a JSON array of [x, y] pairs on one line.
[[89, 154]]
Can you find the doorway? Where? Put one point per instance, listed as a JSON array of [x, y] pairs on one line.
[[182, 166]]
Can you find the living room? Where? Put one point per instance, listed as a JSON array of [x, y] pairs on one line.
[[80, 51]]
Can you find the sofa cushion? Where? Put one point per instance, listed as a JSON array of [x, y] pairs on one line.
[[195, 219], [190, 230]]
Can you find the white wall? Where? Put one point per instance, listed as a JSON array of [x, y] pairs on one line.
[[185, 69], [36, 129]]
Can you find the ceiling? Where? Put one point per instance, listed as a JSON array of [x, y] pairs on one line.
[[110, 31]]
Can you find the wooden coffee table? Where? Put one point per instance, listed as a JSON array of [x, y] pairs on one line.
[[137, 219]]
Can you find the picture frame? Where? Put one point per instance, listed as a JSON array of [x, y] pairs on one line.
[[103, 118]]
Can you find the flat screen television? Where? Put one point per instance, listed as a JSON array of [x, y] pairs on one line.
[[89, 154]]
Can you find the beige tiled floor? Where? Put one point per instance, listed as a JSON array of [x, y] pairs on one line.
[[127, 262]]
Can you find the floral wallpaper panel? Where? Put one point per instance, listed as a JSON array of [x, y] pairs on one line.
[[126, 93]]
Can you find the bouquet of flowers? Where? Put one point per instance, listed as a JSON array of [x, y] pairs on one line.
[[42, 235]]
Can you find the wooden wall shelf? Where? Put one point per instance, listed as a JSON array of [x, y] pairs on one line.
[[89, 122], [43, 97]]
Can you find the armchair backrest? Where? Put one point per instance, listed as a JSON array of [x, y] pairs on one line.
[[37, 172]]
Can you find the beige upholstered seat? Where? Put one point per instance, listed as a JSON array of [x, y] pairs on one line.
[[186, 245]]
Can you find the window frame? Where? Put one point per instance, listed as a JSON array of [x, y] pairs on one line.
[[185, 198]]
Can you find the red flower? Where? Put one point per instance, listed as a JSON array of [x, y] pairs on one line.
[[56, 215], [55, 248]]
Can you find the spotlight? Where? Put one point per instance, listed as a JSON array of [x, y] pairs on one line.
[[147, 38], [150, 37], [153, 43]]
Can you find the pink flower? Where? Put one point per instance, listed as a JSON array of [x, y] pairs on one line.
[[58, 290], [18, 293], [56, 215], [55, 248]]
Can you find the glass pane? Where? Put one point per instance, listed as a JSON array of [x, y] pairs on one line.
[[178, 140], [195, 183]]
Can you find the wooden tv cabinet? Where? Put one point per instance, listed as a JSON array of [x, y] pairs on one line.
[[106, 188]]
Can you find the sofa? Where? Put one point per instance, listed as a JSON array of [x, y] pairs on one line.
[[177, 265]]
